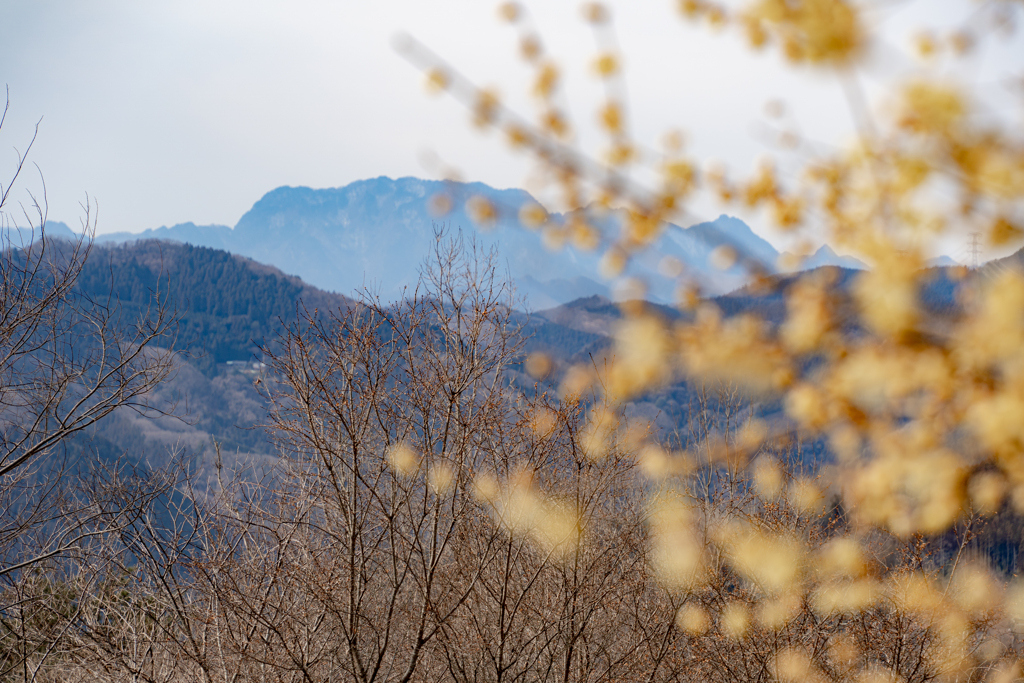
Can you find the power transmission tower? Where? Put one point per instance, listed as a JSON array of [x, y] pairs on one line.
[[974, 249]]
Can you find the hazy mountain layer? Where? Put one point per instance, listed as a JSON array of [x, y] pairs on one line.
[[375, 233]]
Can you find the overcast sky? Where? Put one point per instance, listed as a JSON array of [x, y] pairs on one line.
[[190, 110]]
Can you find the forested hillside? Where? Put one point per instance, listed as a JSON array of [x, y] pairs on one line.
[[226, 305]]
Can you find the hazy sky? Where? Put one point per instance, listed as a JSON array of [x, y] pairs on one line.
[[187, 110]]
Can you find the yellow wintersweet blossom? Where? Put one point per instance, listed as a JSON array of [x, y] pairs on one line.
[[517, 136], [809, 308], [582, 234], [611, 117], [723, 257], [538, 365], [888, 294], [788, 212], [532, 215], [679, 178], [768, 477], [881, 378], [916, 592], [931, 108], [543, 422], [793, 665], [547, 80], [482, 211], [594, 12], [530, 48], [737, 349], [975, 589], [995, 420], [485, 110], [908, 490], [774, 613], [762, 188], [926, 45], [655, 462], [805, 495], [987, 491], [606, 65], [827, 32], [439, 205], [612, 263], [440, 478], [839, 596], [437, 80], [677, 551], [735, 620], [555, 123], [1003, 231], [751, 435], [692, 619], [841, 557], [598, 435], [1005, 672], [640, 229], [775, 563], [403, 459], [510, 11], [642, 352], [992, 336], [920, 403], [525, 511], [577, 380], [808, 406], [1013, 603], [1000, 172]]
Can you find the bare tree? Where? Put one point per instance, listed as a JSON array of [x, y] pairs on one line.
[[549, 611], [67, 361], [384, 414]]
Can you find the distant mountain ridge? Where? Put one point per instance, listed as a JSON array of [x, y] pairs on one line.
[[825, 256], [375, 233], [22, 237]]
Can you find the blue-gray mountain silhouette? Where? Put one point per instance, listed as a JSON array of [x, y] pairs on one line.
[[376, 233]]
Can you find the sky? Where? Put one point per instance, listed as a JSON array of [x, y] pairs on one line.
[[165, 112]]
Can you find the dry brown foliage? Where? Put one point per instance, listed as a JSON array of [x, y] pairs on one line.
[[922, 409], [433, 521], [430, 520]]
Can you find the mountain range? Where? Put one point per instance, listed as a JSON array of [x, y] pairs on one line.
[[229, 307], [375, 233]]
